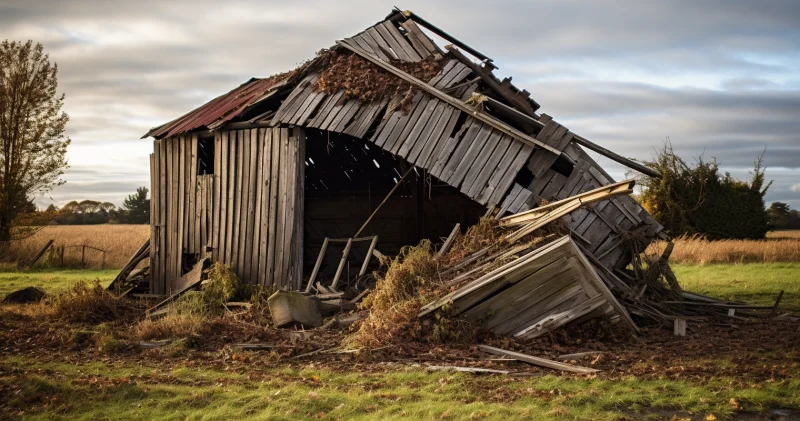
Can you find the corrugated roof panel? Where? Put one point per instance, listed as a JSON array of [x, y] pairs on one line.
[[221, 108]]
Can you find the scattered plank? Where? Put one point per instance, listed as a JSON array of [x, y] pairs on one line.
[[542, 362], [458, 369]]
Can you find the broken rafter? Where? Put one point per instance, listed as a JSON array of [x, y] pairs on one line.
[[483, 117]]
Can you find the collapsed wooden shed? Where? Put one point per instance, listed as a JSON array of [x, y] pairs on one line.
[[259, 177]]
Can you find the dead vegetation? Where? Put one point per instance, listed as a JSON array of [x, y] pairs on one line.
[[365, 82], [90, 303]]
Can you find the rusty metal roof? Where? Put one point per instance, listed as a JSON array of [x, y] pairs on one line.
[[220, 109]]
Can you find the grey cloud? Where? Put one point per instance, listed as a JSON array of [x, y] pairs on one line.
[[571, 55]]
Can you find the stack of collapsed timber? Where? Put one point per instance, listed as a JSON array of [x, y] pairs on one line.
[[538, 292], [545, 287]]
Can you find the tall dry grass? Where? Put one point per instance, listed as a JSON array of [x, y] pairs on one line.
[[779, 246], [119, 241]]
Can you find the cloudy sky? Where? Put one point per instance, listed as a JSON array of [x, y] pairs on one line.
[[716, 77]]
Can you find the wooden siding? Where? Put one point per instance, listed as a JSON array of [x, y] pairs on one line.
[[256, 226]]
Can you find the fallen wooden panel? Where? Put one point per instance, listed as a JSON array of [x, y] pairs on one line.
[[542, 362], [535, 294]]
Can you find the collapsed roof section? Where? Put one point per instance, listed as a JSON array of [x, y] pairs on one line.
[[463, 125]]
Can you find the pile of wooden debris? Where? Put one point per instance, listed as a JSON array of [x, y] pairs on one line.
[[523, 276]]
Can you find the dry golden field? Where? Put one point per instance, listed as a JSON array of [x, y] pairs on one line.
[[779, 246], [119, 241]]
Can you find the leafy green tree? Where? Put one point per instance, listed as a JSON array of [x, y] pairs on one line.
[[136, 208], [698, 199], [32, 126]]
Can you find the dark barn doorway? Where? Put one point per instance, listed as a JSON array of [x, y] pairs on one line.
[[346, 178]]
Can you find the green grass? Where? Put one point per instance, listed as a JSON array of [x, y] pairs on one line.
[[757, 283], [120, 391], [214, 388], [51, 281]]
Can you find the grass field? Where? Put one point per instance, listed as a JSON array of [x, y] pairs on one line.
[[757, 283], [51, 281], [126, 391]]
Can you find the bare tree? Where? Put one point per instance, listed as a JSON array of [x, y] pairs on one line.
[[32, 140]]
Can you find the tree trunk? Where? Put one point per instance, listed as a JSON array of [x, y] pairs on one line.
[[5, 229]]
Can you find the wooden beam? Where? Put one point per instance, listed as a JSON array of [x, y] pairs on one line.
[[483, 117], [388, 195], [541, 362], [449, 241], [436, 30]]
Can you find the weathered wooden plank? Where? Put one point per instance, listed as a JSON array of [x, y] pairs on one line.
[[511, 173], [543, 362], [413, 135], [153, 218], [252, 182], [438, 139], [498, 172], [406, 123], [162, 209], [519, 202], [175, 201], [183, 187], [490, 168], [461, 150], [258, 190], [290, 216], [552, 187], [394, 33], [457, 75], [469, 155], [346, 116], [516, 189], [299, 213], [366, 38], [479, 162], [382, 44], [421, 152], [445, 152], [439, 110], [419, 40], [236, 198], [224, 192], [529, 292], [275, 157], [315, 103], [279, 275], [265, 181], [325, 109], [213, 225], [445, 70]]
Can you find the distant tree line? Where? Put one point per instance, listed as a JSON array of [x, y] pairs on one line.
[[782, 217], [699, 199], [135, 210]]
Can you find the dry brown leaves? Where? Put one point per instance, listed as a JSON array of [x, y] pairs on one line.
[[366, 82]]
